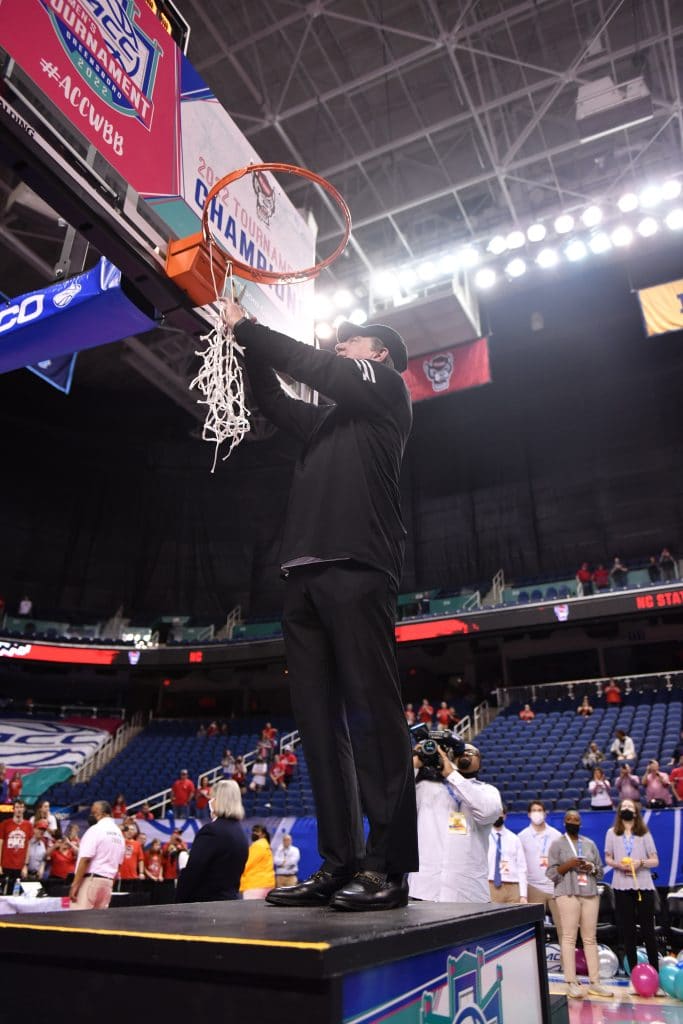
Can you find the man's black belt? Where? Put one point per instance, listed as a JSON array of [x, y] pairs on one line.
[[93, 874]]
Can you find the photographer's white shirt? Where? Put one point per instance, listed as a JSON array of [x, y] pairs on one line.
[[454, 818]]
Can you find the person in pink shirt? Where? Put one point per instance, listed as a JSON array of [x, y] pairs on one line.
[[657, 786], [100, 853], [627, 784]]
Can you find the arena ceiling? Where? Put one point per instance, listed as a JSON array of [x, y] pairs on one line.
[[441, 123]]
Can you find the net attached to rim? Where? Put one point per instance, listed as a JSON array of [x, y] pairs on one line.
[[220, 379]]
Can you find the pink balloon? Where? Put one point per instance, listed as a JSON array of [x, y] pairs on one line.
[[581, 965], [645, 980]]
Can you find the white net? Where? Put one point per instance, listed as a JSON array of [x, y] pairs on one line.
[[221, 383]]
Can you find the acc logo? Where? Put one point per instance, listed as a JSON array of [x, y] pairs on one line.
[[265, 196], [439, 370], [68, 293], [110, 52], [23, 312], [552, 958]]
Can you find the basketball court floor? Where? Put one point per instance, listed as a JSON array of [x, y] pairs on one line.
[[622, 1008]]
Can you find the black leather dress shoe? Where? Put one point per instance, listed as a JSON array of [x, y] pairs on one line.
[[316, 891], [372, 890]]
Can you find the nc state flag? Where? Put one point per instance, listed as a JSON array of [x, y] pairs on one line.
[[448, 370]]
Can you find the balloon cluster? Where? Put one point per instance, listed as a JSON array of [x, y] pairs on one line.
[[671, 975], [646, 980]]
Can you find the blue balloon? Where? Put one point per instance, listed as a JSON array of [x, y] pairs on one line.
[[678, 985], [668, 973]]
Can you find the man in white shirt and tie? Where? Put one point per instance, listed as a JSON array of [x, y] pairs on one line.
[[536, 839], [286, 862], [507, 865]]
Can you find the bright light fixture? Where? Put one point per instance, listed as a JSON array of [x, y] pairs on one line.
[[448, 263], [622, 236], [547, 258], [576, 250], [674, 219], [650, 196], [426, 271], [599, 243], [515, 240], [468, 257], [384, 283], [342, 298], [564, 223], [338, 320], [536, 232], [358, 316], [591, 216], [407, 279], [485, 278], [324, 330], [516, 267], [647, 227], [497, 245], [627, 202], [671, 189]]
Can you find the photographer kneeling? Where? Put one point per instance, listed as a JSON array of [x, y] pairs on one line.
[[455, 812]]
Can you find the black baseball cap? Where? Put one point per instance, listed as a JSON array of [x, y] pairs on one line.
[[387, 335]]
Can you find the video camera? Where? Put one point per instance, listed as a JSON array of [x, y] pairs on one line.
[[427, 743]]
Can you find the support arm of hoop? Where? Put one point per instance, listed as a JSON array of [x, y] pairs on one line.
[[369, 390]]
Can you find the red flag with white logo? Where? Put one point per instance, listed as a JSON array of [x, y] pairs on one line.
[[448, 370]]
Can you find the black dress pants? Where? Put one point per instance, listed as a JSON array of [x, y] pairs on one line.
[[630, 911], [338, 625]]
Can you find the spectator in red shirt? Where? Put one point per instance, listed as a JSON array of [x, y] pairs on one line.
[[612, 692], [601, 578], [212, 729], [410, 714], [455, 717], [154, 862], [145, 813], [15, 787], [269, 732], [278, 774], [15, 834], [443, 716], [62, 862], [132, 867], [170, 852], [239, 775], [202, 798], [526, 714], [182, 795], [426, 712], [118, 808], [585, 577], [290, 762], [676, 778], [585, 708]]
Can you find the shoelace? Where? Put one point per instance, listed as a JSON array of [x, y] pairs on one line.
[[371, 876]]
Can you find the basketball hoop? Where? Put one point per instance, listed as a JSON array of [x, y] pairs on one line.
[[199, 265], [203, 269]]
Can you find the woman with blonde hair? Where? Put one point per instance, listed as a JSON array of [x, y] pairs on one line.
[[219, 851]]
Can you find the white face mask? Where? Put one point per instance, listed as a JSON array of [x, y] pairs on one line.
[[537, 817]]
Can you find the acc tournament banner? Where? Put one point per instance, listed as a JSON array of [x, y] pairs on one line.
[[25, 744], [448, 370], [662, 307], [111, 69]]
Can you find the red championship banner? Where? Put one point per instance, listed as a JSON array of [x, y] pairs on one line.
[[448, 370]]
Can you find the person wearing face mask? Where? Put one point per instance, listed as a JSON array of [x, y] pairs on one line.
[[454, 818], [258, 877], [219, 851], [100, 854], [631, 851], [536, 839], [575, 868], [507, 864]]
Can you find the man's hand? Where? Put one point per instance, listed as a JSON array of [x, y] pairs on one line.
[[446, 766], [231, 312], [73, 891]]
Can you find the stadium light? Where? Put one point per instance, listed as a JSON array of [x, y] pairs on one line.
[[576, 250], [358, 316], [468, 256], [671, 189], [426, 271], [497, 245], [342, 298], [599, 243], [591, 216], [448, 263], [563, 223], [384, 283], [547, 258], [515, 240], [622, 236], [485, 278], [650, 196], [324, 330], [516, 267], [627, 202], [322, 307], [407, 279], [536, 232], [647, 227], [338, 320], [674, 219]]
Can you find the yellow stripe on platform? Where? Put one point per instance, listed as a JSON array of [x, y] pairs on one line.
[[168, 936]]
